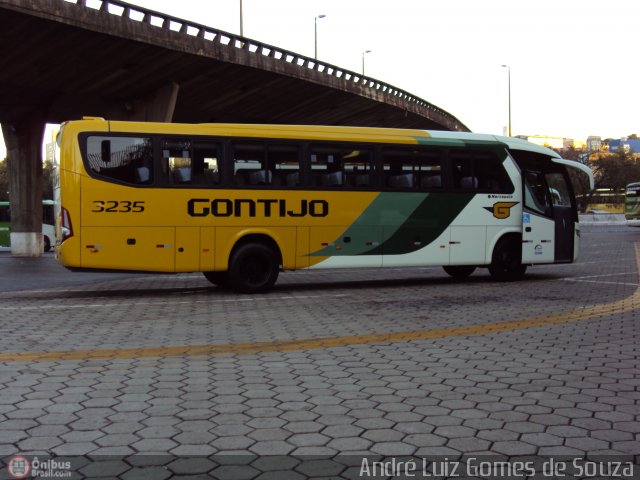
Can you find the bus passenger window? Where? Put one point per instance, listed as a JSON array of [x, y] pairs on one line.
[[428, 165], [206, 163], [284, 163], [479, 170], [266, 164], [123, 159], [357, 168], [177, 160], [341, 166], [463, 174], [326, 168], [411, 168], [397, 167], [250, 164]]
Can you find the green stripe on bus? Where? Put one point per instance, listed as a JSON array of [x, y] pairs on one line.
[[426, 223], [403, 223]]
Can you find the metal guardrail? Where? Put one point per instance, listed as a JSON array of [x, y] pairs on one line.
[[161, 20]]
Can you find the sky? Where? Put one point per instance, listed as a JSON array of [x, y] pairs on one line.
[[573, 63]]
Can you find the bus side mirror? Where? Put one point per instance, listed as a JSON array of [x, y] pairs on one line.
[[105, 151]]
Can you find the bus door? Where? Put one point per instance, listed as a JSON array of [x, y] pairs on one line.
[[547, 219], [564, 215], [538, 225]]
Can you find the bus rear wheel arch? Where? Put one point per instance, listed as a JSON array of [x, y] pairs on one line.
[[506, 261], [254, 265]]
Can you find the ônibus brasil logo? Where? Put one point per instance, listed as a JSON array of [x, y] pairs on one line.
[[19, 467]]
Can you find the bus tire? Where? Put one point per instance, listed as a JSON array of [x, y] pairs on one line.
[[459, 272], [253, 268], [506, 263], [47, 244], [219, 279]]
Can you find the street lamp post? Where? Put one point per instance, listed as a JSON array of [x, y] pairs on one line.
[[363, 54], [241, 29], [508, 67], [315, 35]]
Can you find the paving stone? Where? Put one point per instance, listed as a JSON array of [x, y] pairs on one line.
[[586, 444], [513, 448], [191, 466], [116, 439], [159, 445], [393, 448], [468, 444], [541, 439], [232, 443], [275, 447]]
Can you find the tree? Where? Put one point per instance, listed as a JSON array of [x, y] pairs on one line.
[[4, 180], [47, 180], [617, 169]]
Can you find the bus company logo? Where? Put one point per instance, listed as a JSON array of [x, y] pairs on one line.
[[240, 207], [18, 467], [501, 210]]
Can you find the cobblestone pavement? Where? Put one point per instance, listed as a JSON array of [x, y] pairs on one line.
[[396, 362]]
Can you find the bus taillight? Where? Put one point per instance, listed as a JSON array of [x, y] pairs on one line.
[[67, 226]]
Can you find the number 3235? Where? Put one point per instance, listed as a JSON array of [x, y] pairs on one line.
[[114, 206]]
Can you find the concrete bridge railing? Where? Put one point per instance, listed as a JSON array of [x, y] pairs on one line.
[[226, 39]]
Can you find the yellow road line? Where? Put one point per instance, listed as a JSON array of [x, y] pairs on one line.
[[604, 310]]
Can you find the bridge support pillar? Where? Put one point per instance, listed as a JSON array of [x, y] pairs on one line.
[[157, 106], [24, 155]]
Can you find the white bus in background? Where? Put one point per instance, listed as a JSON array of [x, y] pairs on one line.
[[48, 221]]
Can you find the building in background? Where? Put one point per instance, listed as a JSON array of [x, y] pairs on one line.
[[627, 144]]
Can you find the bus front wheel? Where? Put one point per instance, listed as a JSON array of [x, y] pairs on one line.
[[459, 272], [506, 264], [253, 268]]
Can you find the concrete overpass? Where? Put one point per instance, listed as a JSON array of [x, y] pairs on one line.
[[63, 60]]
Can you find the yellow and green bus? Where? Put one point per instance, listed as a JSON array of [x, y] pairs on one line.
[[632, 204], [241, 203], [48, 230]]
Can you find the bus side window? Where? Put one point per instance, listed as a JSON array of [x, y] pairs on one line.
[[177, 160], [326, 167], [492, 176], [397, 169], [124, 159], [207, 162], [250, 164], [284, 165], [463, 171], [412, 168], [357, 167], [479, 170], [347, 166], [429, 169]]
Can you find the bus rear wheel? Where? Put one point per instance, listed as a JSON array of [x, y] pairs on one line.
[[459, 272], [253, 268], [506, 264]]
